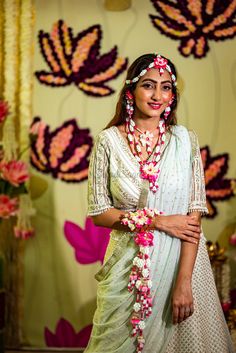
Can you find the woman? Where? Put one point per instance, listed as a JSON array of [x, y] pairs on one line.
[[144, 159]]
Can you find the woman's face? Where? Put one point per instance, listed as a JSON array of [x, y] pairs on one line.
[[152, 94]]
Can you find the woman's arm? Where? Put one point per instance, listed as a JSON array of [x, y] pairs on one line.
[[182, 298], [179, 226], [110, 219]]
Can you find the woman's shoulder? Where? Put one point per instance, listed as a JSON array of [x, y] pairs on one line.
[[104, 134], [183, 130], [179, 130], [105, 137]]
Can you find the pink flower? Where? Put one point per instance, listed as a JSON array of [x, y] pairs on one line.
[[144, 239], [135, 320], [226, 306], [8, 207], [15, 172], [160, 62], [4, 109], [150, 171], [129, 95], [232, 239], [23, 233]]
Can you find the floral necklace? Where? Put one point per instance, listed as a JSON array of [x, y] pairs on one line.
[[149, 170], [146, 138]]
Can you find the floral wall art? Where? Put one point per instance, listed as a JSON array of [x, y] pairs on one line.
[[77, 60], [63, 152], [195, 22], [218, 188]]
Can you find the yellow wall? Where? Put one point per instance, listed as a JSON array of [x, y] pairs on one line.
[[207, 105]]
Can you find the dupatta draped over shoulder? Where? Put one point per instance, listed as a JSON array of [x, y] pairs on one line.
[[114, 182]]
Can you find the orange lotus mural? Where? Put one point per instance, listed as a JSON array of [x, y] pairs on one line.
[[218, 188], [195, 22], [77, 60]]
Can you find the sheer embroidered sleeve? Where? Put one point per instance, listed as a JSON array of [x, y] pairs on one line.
[[99, 197], [197, 201]]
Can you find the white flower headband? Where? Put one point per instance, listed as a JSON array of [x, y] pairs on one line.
[[159, 63]]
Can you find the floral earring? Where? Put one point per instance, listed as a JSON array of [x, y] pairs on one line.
[[129, 104], [168, 108]]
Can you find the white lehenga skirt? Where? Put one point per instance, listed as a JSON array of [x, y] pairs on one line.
[[204, 332]]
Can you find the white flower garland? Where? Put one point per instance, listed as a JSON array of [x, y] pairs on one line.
[[23, 228], [1, 52], [139, 279], [26, 73], [11, 32]]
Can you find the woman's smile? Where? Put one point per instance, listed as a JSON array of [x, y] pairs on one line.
[[155, 106]]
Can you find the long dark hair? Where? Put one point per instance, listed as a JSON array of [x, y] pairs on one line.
[[134, 70]]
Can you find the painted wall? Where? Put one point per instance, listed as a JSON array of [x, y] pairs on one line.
[[56, 285]]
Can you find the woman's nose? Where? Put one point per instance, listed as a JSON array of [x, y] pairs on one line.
[[156, 94]]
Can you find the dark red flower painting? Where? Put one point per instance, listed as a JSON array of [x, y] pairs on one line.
[[63, 152], [77, 60], [194, 22], [218, 188]]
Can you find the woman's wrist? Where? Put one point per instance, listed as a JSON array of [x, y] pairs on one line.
[[184, 277], [158, 223]]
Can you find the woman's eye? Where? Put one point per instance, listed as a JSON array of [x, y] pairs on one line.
[[147, 85], [167, 88]]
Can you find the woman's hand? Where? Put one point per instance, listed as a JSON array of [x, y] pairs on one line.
[[183, 227], [182, 301]]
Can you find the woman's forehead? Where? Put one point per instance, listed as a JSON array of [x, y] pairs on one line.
[[155, 75]]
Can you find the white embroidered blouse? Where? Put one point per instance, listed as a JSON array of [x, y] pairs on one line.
[[114, 179]]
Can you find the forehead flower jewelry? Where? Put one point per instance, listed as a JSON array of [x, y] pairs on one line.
[[159, 63]]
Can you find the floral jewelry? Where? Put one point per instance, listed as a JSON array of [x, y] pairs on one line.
[[146, 138], [159, 63], [168, 108], [148, 169], [129, 104], [139, 279]]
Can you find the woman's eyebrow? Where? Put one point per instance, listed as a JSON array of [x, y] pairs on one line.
[[154, 81]]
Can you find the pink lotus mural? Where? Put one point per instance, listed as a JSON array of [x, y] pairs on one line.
[[66, 336], [76, 59], [90, 243]]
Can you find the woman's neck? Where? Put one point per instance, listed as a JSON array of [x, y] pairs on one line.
[[149, 124]]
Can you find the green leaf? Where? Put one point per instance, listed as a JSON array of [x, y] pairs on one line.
[[15, 191], [2, 186]]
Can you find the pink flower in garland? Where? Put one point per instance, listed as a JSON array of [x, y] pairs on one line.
[[63, 153], [217, 187], [90, 243], [15, 172], [76, 59], [24, 233], [194, 22], [4, 110], [8, 206], [66, 336], [232, 239]]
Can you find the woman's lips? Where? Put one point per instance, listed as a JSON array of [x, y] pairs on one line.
[[155, 106]]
